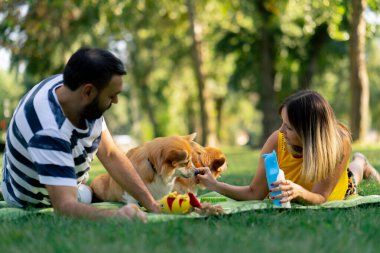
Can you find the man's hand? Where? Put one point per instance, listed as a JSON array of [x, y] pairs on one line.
[[132, 211]]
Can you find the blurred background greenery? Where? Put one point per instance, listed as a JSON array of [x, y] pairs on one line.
[[216, 67]]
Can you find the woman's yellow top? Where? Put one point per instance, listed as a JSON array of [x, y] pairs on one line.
[[292, 169]]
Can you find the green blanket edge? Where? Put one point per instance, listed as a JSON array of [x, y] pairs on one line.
[[230, 206]]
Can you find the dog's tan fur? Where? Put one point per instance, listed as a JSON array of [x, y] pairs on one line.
[[158, 162], [202, 157]]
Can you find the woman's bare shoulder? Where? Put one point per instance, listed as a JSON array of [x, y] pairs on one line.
[[271, 142]]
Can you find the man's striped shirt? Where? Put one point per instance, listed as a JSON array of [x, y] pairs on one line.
[[44, 148]]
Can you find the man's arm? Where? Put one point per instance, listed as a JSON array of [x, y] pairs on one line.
[[122, 171], [64, 201]]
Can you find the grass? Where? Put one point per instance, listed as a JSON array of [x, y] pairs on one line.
[[347, 230]]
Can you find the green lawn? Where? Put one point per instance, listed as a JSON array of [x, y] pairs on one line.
[[348, 230]]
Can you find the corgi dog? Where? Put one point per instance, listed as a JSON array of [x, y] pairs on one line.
[[159, 163], [202, 157]]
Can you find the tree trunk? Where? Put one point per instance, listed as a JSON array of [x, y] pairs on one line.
[[135, 112], [191, 120], [145, 96], [309, 64], [141, 77], [219, 102], [268, 99], [198, 61], [358, 72]]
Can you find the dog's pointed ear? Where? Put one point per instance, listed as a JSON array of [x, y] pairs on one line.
[[176, 156], [192, 136], [217, 163]]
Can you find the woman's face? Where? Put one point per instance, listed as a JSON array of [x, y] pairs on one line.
[[291, 136]]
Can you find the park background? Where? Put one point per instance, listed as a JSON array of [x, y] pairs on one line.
[[216, 67]]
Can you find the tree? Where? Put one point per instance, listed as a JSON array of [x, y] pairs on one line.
[[10, 91], [198, 69], [358, 72], [229, 77], [267, 43], [313, 49]]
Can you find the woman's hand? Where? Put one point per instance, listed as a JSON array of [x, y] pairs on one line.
[[289, 190], [205, 177]]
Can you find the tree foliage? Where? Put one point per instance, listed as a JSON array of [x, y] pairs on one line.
[[254, 54]]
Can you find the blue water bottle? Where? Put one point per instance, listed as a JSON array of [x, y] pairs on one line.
[[274, 173]]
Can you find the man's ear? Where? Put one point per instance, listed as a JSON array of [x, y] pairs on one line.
[[89, 92]]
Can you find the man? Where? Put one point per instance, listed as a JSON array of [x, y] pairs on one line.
[[56, 130]]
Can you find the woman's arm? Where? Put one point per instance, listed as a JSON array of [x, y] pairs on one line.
[[258, 188]]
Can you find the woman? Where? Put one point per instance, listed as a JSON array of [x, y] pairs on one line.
[[313, 150]]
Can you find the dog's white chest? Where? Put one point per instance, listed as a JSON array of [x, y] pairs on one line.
[[159, 188]]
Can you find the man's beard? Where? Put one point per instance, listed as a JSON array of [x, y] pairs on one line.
[[93, 110]]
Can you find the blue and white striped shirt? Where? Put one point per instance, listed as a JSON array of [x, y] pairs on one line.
[[44, 148]]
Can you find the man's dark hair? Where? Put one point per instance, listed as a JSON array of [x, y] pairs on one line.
[[91, 65]]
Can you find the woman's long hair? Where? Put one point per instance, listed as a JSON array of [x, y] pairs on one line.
[[322, 135]]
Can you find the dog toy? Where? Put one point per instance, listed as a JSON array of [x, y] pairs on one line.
[[197, 172], [175, 203], [273, 174]]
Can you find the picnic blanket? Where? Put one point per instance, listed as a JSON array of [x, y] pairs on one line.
[[230, 207]]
